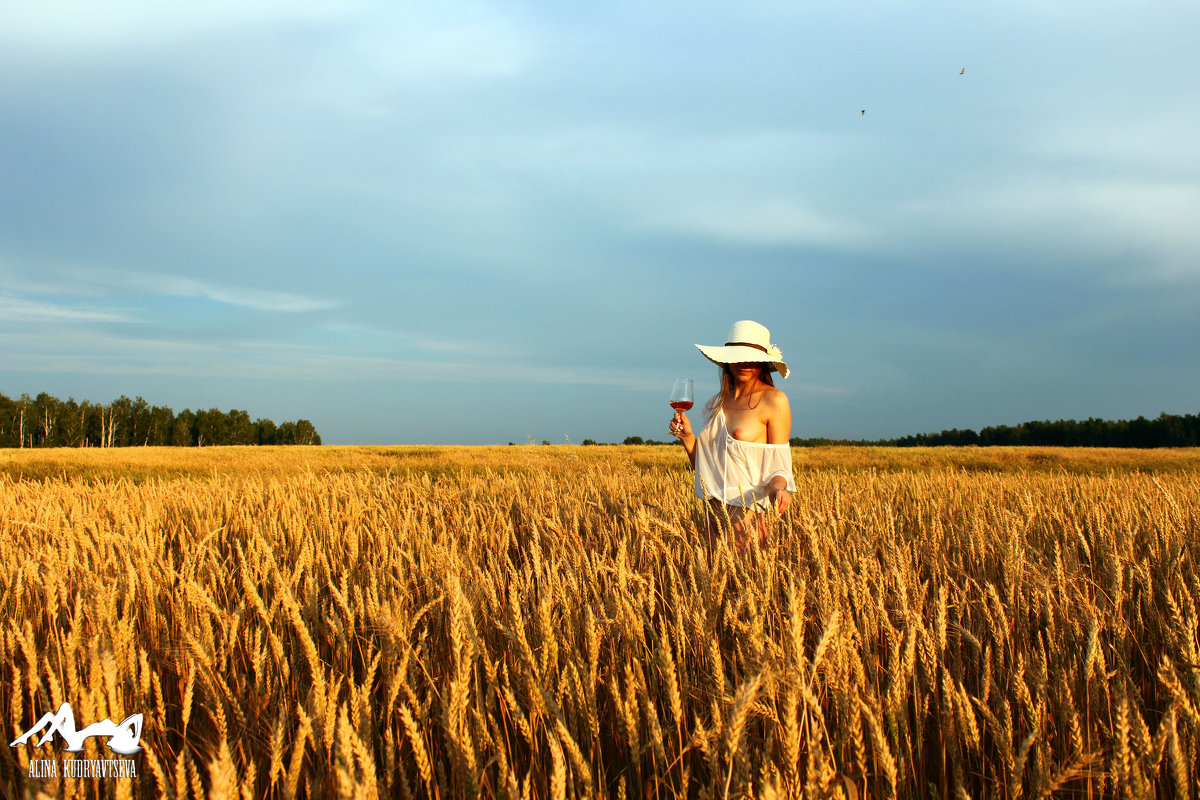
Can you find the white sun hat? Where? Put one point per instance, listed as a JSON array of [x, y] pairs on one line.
[[747, 342]]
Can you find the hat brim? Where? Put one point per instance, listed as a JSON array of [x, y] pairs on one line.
[[740, 354]]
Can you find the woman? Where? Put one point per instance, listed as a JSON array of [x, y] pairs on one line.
[[742, 456]]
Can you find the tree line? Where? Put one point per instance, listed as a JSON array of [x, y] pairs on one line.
[[46, 421], [1168, 430]]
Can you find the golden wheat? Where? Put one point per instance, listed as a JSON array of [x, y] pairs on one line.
[[549, 622]]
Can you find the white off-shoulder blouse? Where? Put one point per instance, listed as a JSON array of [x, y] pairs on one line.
[[737, 472]]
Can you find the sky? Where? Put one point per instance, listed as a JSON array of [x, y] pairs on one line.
[[478, 223]]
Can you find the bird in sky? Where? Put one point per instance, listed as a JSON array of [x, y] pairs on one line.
[[864, 112], [962, 71]]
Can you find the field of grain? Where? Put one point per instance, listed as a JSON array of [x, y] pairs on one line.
[[544, 622]]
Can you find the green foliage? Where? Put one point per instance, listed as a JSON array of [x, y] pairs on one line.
[[46, 421], [796, 441], [1166, 431]]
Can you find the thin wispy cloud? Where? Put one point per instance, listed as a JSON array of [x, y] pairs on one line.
[[113, 354], [16, 309], [151, 284], [757, 221], [57, 280], [427, 342], [258, 299]]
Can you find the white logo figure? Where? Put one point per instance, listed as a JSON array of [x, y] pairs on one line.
[[123, 738]]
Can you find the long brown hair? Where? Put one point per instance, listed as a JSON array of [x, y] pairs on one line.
[[718, 400]]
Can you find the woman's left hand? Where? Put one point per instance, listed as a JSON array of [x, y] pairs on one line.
[[782, 500]]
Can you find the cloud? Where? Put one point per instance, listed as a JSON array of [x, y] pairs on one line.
[[491, 185], [16, 309], [65, 26], [99, 280], [75, 351], [420, 45], [1148, 141], [1158, 217], [1067, 220], [82, 280], [739, 187], [427, 341], [365, 50], [22, 278], [756, 221], [258, 299]]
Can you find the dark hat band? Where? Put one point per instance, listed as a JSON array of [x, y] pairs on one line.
[[748, 344]]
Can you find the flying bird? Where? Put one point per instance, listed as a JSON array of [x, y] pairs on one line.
[[864, 112], [962, 71]]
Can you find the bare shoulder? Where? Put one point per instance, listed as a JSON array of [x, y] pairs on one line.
[[774, 400]]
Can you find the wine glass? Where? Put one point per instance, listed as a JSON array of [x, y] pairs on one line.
[[681, 396]]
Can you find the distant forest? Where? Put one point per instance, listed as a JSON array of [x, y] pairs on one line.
[[1168, 430], [46, 421]]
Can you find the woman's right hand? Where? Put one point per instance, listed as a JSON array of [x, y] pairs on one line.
[[681, 426]]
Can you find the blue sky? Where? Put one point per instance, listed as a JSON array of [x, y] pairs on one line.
[[480, 223]]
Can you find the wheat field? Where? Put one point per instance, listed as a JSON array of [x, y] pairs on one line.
[[547, 622]]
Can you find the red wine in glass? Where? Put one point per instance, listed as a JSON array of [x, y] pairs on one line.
[[681, 395]]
